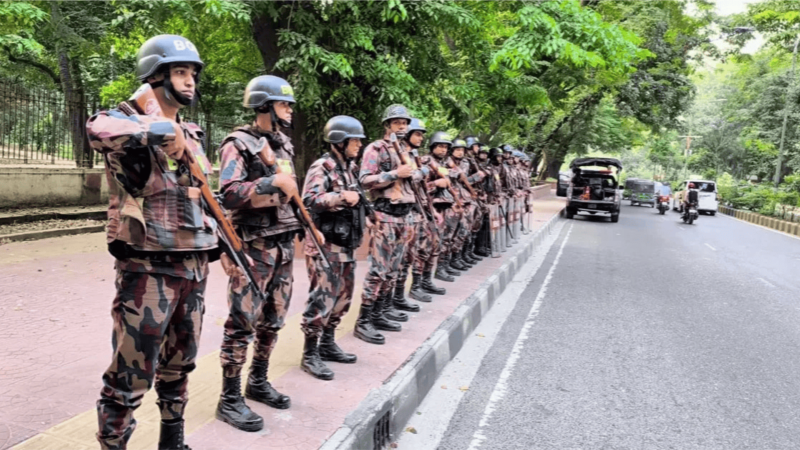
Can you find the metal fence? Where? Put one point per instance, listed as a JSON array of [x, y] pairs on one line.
[[39, 126]]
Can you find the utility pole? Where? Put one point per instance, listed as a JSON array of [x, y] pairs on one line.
[[790, 85], [687, 152]]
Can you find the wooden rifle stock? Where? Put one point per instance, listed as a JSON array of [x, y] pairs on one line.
[[145, 102], [463, 178], [267, 156], [403, 157], [435, 166]]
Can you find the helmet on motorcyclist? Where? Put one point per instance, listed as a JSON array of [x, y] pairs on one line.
[[691, 186]]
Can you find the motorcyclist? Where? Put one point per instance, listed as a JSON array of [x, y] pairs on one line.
[[690, 198]]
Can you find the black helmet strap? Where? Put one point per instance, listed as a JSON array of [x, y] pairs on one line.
[[171, 93]]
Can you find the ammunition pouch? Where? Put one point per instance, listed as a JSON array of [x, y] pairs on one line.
[[343, 228], [385, 206]]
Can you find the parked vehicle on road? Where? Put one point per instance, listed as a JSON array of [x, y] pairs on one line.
[[643, 192], [593, 187], [707, 192], [563, 183]]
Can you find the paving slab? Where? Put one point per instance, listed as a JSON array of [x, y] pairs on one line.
[[55, 330]]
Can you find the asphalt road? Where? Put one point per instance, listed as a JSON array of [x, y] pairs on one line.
[[646, 334]]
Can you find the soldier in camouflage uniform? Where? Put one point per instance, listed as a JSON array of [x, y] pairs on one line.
[[464, 229], [385, 177], [162, 241], [258, 196], [470, 166], [487, 188], [441, 192], [331, 196], [421, 241]]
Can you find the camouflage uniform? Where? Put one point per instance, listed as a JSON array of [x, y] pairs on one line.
[[330, 291], [267, 225], [390, 235], [465, 218], [163, 241]]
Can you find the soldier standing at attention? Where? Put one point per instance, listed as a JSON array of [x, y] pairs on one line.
[[443, 201], [162, 241], [383, 174], [421, 241], [335, 205], [258, 196]]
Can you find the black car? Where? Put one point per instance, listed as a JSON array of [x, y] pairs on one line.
[[593, 188], [563, 184]]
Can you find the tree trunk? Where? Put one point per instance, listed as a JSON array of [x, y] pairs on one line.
[[74, 98], [265, 33]]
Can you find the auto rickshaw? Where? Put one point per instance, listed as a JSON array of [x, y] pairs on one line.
[[643, 192]]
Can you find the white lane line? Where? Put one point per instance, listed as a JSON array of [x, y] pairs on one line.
[[501, 387], [765, 282], [712, 248]]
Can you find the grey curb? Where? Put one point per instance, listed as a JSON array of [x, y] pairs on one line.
[[401, 394], [100, 214], [44, 234]]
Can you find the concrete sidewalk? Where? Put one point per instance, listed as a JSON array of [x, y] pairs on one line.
[[55, 329]]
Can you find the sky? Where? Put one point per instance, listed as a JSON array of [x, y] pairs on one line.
[[727, 7]]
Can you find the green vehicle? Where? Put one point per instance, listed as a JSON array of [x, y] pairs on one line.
[[643, 192]]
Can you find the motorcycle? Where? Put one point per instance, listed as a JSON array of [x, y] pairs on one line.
[[690, 214], [663, 204]]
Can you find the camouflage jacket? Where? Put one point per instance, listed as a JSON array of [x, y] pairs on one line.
[[455, 179], [258, 209], [378, 175], [440, 196], [152, 208], [322, 192]]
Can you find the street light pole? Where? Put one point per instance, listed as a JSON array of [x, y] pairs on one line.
[[786, 115]]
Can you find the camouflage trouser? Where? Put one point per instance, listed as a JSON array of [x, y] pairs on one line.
[[250, 315], [386, 248], [427, 249], [452, 220], [480, 212], [412, 249], [157, 323], [329, 294], [465, 227]]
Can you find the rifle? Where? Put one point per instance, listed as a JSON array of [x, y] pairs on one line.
[[435, 166], [461, 177], [403, 157], [267, 156], [144, 101]]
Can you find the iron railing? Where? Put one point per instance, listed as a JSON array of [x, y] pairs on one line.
[[40, 126]]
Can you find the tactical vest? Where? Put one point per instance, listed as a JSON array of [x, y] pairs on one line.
[[441, 197], [269, 221], [459, 187], [344, 228], [398, 192], [168, 215]]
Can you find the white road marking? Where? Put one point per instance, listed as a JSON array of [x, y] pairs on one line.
[[501, 387], [765, 282], [712, 248], [440, 405]]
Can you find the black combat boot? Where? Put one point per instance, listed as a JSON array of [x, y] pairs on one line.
[[441, 270], [365, 330], [171, 437], [312, 364], [232, 409], [379, 321], [260, 390], [399, 299], [471, 250], [428, 286], [456, 262], [452, 270], [417, 293], [390, 312], [330, 351], [466, 258]]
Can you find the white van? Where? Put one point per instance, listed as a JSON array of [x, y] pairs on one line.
[[706, 195]]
